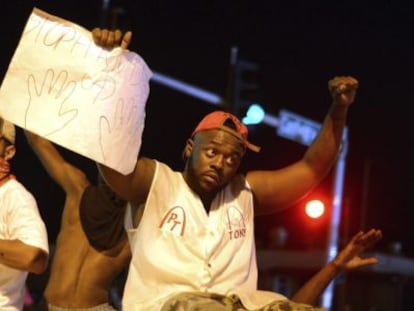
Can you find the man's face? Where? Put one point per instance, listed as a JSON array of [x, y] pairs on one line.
[[213, 159]]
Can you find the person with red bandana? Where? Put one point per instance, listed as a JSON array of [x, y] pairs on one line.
[[24, 244]]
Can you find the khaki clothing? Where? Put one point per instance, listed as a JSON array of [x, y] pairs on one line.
[[214, 302], [101, 307]]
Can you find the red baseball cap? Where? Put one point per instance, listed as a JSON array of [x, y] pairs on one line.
[[216, 119]]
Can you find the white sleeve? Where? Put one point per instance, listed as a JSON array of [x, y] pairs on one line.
[[26, 223]]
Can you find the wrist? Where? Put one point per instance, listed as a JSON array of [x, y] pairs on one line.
[[338, 111], [335, 264]]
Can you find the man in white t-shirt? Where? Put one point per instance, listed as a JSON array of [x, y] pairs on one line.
[[24, 244]]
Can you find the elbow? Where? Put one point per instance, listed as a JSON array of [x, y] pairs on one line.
[[320, 163], [38, 261]]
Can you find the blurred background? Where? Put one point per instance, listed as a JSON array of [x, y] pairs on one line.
[[287, 52]]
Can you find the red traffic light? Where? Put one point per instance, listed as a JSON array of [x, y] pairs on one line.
[[315, 208]]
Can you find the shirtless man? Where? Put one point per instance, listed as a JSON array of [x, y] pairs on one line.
[[81, 275]]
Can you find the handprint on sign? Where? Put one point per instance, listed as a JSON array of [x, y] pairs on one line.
[[47, 103], [123, 127]]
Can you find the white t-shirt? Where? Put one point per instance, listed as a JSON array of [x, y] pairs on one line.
[[19, 219]]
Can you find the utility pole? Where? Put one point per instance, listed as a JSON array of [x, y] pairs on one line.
[[229, 99], [242, 80], [104, 13]]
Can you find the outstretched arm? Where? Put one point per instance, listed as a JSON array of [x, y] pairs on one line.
[[22, 256], [67, 176], [278, 189], [346, 260]]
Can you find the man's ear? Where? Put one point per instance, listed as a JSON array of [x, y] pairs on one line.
[[188, 148], [9, 152]]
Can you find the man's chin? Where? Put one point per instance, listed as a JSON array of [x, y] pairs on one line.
[[210, 186]]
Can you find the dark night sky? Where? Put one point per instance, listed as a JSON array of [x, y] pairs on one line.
[[299, 46]]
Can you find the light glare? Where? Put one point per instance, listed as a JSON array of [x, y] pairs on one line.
[[315, 208], [255, 115]]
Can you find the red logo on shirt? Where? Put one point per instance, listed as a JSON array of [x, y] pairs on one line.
[[174, 220]]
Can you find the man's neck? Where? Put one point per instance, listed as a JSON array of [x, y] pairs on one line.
[[4, 179]]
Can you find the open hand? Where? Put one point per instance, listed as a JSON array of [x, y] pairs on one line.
[[349, 258]]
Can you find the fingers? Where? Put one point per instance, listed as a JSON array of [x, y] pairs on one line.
[[367, 239], [368, 261], [357, 237], [117, 36], [343, 80], [126, 40], [111, 38], [96, 35], [106, 38], [372, 237], [342, 84]]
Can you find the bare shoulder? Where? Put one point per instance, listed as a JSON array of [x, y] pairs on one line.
[[146, 167], [136, 186]]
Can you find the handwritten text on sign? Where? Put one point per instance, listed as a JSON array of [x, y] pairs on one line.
[[62, 86]]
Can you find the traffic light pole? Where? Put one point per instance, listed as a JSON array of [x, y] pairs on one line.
[[333, 238], [231, 96]]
